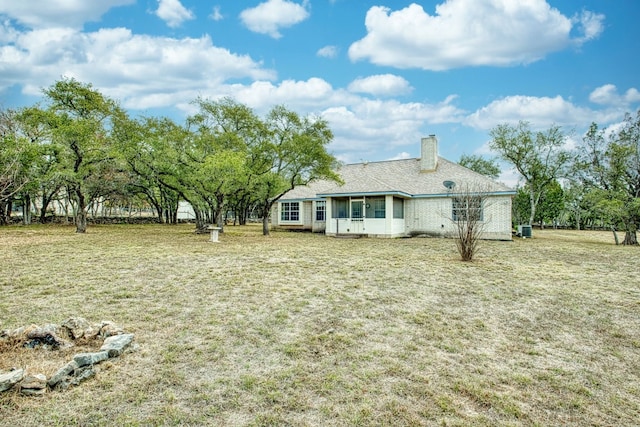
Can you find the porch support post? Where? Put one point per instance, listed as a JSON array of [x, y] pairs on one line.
[[388, 214], [329, 219]]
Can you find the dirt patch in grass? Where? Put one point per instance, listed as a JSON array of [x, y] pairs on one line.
[[301, 329]]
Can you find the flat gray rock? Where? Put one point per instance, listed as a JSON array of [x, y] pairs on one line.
[[115, 345], [62, 373], [84, 359], [11, 378]]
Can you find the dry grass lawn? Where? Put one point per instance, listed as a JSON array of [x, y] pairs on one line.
[[304, 330]]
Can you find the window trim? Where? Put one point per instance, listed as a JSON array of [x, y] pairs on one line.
[[461, 206], [287, 211], [321, 208]]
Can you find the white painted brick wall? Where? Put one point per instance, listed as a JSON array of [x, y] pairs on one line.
[[433, 216]]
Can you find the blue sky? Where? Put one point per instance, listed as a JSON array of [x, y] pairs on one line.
[[382, 73]]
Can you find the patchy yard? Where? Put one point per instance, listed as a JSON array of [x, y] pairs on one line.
[[304, 330]]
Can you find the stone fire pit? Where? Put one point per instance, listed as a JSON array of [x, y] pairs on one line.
[[111, 339]]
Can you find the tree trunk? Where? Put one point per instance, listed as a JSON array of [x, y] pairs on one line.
[[81, 212], [532, 202], [26, 209], [615, 235], [630, 238], [81, 221], [46, 200], [220, 212], [3, 213], [265, 218]]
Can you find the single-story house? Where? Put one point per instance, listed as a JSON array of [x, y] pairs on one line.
[[395, 198]]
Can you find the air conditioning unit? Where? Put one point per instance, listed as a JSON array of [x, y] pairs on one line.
[[524, 231]]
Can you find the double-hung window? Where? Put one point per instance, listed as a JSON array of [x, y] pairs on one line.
[[321, 207], [290, 211], [467, 209]]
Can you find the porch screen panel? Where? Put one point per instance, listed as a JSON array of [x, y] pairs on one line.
[[340, 208], [376, 207]]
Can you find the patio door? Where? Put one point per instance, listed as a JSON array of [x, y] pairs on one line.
[[357, 216]]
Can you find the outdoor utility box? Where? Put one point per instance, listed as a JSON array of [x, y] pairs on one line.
[[524, 231]]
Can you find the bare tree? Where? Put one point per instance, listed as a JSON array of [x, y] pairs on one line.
[[467, 215]]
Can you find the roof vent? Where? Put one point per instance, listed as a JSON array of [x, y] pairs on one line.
[[449, 184]]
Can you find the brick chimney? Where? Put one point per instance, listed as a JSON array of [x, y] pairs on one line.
[[429, 154]]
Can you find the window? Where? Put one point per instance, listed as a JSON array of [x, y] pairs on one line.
[[467, 208], [321, 210], [340, 208], [375, 207], [398, 208], [290, 211]]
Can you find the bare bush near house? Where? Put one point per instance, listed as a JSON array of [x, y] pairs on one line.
[[468, 219]]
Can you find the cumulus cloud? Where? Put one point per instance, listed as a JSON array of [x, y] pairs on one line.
[[328, 52], [47, 13], [269, 17], [469, 33], [370, 128], [303, 94], [141, 71], [173, 12], [381, 85], [608, 95], [541, 112]]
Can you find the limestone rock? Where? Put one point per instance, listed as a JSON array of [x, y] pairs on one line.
[[80, 375], [47, 336], [33, 384], [115, 345], [18, 333], [33, 391], [76, 327], [11, 378], [62, 373], [84, 359], [109, 329]]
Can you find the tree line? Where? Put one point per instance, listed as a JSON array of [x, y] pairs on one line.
[[80, 147], [596, 183]]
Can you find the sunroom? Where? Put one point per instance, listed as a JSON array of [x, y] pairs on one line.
[[379, 215]]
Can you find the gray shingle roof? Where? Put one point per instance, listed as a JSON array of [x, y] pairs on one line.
[[402, 177]]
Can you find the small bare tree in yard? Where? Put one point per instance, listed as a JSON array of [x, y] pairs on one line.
[[467, 215]]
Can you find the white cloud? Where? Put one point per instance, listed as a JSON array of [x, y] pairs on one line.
[[62, 13], [262, 94], [328, 52], [608, 95], [216, 15], [469, 33], [141, 71], [173, 12], [269, 17], [540, 112], [381, 85], [366, 128], [591, 25]]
